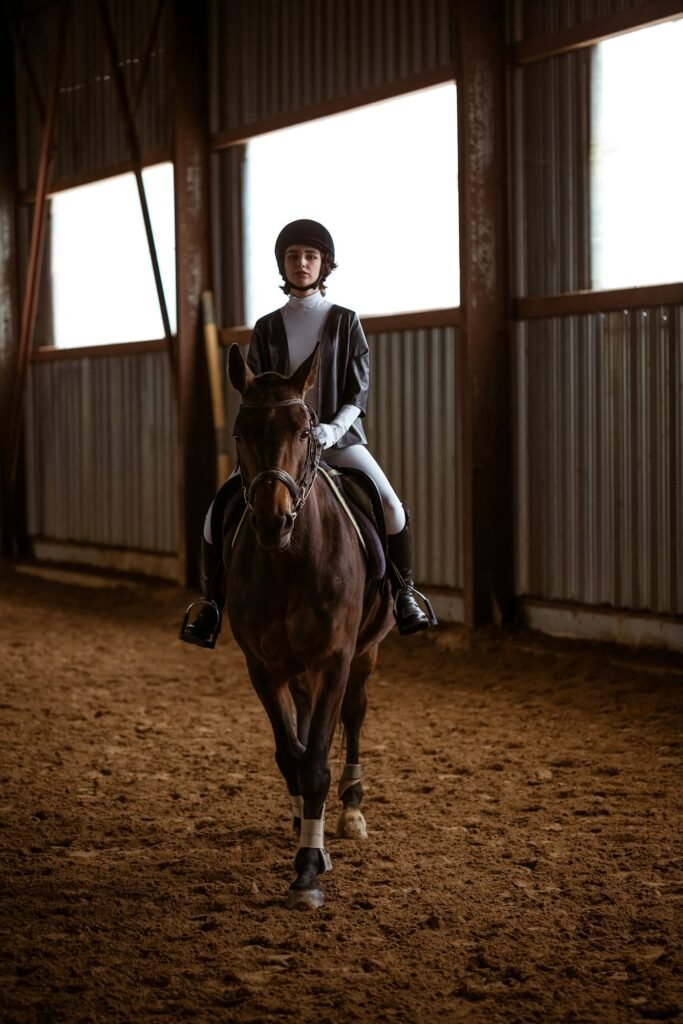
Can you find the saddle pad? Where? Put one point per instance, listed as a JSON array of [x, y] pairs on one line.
[[355, 487]]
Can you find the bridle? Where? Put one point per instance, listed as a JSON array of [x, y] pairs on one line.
[[299, 489]]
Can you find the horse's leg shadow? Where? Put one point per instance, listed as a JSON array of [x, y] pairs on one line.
[[351, 823]]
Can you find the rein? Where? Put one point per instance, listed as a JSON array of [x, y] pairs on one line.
[[299, 489]]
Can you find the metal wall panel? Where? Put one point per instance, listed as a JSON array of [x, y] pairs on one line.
[[90, 128], [541, 17], [599, 417], [102, 452], [414, 431], [550, 141], [275, 57]]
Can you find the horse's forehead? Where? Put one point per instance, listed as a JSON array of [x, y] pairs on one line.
[[278, 407]]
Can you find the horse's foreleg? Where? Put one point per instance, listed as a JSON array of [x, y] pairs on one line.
[[281, 711], [312, 859], [351, 823], [302, 702]]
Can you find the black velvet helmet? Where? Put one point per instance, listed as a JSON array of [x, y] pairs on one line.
[[303, 232]]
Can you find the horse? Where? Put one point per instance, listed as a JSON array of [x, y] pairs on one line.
[[301, 608]]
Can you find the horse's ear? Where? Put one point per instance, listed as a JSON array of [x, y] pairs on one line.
[[304, 378], [239, 373]]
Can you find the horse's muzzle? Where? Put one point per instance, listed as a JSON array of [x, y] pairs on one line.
[[273, 532]]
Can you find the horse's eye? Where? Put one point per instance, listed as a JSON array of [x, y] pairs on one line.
[[305, 434], [236, 437]]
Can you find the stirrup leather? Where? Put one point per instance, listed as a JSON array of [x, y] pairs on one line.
[[208, 636]]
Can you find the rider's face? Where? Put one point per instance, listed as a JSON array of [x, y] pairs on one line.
[[302, 267]]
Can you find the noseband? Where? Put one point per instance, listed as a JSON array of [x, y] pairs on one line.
[[299, 489]]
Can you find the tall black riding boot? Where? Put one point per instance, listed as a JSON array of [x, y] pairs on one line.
[[204, 628], [409, 616]]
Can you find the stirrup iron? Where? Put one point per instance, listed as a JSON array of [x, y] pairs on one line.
[[188, 631]]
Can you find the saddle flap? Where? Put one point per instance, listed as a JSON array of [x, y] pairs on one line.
[[364, 500]]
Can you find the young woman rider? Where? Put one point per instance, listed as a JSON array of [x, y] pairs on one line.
[[281, 341]]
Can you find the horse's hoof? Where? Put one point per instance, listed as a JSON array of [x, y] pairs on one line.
[[304, 899], [351, 824]]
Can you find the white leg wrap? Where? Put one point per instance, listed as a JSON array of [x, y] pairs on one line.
[[297, 803], [313, 838], [352, 774], [312, 833]]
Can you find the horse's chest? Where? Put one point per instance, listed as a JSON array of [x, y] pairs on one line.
[[295, 629]]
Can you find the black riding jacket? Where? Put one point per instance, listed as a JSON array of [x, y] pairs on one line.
[[344, 373]]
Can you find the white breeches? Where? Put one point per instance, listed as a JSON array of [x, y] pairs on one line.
[[356, 456]]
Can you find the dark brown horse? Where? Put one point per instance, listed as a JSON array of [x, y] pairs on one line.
[[301, 608]]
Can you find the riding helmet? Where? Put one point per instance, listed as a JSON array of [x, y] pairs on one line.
[[303, 232]]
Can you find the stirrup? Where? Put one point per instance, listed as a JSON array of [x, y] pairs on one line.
[[419, 625], [207, 637]]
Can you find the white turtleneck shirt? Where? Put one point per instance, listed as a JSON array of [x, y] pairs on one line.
[[304, 320]]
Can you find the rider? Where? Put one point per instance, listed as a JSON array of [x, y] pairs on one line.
[[281, 341]]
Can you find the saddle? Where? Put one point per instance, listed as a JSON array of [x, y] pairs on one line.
[[355, 491]]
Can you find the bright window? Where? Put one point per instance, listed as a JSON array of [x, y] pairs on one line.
[[103, 287], [384, 180], [637, 158]]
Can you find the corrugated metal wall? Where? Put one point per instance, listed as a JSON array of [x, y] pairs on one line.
[[600, 459], [541, 17], [275, 57], [414, 431], [101, 439], [90, 128]]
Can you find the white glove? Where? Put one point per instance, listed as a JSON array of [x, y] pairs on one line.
[[327, 434]]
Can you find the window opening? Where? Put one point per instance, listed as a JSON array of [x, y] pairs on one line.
[[103, 289], [637, 158], [384, 179]]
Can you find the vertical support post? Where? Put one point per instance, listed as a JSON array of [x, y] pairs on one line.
[[197, 446], [488, 534], [9, 278]]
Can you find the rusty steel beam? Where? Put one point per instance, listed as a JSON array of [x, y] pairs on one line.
[[136, 159], [589, 33], [487, 494], [423, 80], [197, 446], [30, 301], [608, 301]]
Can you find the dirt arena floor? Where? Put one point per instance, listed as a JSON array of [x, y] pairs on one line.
[[522, 796]]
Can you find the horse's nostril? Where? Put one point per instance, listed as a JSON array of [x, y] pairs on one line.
[[287, 522]]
